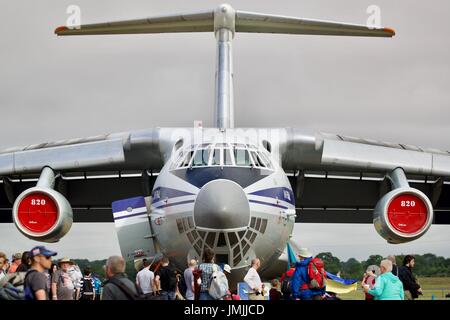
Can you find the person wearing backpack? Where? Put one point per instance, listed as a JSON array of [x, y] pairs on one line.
[[86, 290], [35, 283], [309, 279], [118, 286], [207, 268], [166, 279]]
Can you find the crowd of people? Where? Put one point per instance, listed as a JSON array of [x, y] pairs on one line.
[[390, 282], [33, 275]]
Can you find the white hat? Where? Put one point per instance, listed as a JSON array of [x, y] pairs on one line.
[[304, 253], [375, 269], [227, 268]]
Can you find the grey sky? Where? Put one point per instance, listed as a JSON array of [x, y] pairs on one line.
[[388, 89]]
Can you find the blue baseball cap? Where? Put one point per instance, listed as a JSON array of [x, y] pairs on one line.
[[42, 250]]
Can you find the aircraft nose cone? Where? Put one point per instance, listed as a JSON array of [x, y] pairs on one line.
[[221, 204]]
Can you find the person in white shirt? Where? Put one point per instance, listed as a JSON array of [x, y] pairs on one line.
[[145, 277], [254, 281]]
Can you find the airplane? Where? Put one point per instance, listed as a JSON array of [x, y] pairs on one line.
[[238, 191]]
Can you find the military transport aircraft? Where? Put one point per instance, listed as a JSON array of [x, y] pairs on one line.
[[239, 191]]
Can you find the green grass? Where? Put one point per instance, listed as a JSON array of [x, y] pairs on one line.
[[438, 287]]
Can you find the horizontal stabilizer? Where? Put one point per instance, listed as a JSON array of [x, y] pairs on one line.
[[195, 22], [243, 22], [265, 23]]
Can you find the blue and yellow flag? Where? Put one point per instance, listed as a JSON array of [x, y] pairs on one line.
[[291, 256], [338, 285]]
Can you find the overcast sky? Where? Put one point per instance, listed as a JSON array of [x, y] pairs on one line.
[[388, 89]]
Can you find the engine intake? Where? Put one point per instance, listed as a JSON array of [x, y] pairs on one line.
[[41, 213], [403, 215]]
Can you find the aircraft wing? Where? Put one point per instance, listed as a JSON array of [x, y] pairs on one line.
[[92, 172], [340, 179], [119, 151]]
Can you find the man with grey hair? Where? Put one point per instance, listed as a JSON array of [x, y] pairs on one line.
[[118, 286], [387, 286], [394, 265], [254, 281]]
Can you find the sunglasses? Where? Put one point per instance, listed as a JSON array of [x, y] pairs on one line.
[[48, 258]]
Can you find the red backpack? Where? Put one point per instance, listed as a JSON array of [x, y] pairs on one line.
[[317, 274]]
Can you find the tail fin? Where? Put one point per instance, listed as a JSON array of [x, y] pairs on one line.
[[224, 21]]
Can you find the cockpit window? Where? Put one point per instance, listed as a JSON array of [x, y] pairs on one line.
[[266, 159], [201, 158], [187, 159], [222, 154], [215, 161], [257, 160], [227, 158], [242, 157], [177, 160]]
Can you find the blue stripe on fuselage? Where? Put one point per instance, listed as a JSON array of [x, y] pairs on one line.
[[169, 194], [133, 203], [268, 204], [280, 193], [165, 205], [131, 215], [161, 193], [241, 175]]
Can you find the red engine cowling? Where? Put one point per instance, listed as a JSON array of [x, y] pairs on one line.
[[403, 215], [42, 214]]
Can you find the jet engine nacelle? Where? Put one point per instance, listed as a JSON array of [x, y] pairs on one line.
[[403, 215], [42, 214]]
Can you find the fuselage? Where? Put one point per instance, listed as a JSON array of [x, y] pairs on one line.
[[231, 197]]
